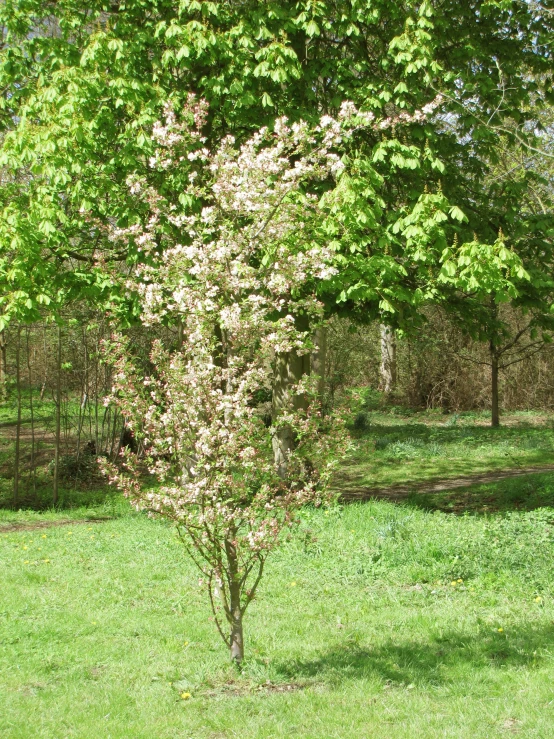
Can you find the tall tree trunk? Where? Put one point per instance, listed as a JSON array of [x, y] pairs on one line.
[[18, 427], [58, 418], [3, 365], [97, 448], [289, 369], [84, 397], [44, 363], [495, 416], [236, 641], [32, 472], [388, 359], [318, 360]]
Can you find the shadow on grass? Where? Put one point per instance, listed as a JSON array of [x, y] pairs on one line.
[[525, 493], [413, 455], [434, 662], [99, 495], [446, 432]]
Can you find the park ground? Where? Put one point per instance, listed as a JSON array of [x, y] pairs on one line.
[[420, 609]]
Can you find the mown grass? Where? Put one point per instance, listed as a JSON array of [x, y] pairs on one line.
[[433, 618], [374, 620]]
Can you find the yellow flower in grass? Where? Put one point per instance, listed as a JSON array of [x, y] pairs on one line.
[[500, 630], [538, 599], [185, 696]]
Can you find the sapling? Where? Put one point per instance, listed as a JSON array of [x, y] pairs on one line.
[[234, 259]]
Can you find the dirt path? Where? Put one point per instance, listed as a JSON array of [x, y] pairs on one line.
[[401, 491]]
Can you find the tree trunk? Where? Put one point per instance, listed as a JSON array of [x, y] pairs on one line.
[[318, 360], [236, 641], [97, 449], [495, 416], [44, 363], [18, 427], [289, 370], [32, 471], [58, 418], [3, 365], [388, 359]]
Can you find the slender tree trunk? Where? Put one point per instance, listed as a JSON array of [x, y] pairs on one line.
[[318, 360], [3, 365], [33, 472], [288, 371], [84, 397], [106, 420], [18, 427], [58, 418], [388, 359], [237, 637], [97, 448], [236, 641], [44, 363], [113, 436], [495, 416]]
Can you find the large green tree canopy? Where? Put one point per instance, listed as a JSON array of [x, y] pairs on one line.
[[83, 82]]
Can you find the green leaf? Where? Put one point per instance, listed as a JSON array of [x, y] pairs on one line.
[[457, 214], [312, 29], [266, 100]]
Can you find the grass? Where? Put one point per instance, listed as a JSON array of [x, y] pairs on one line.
[[527, 492], [374, 620], [433, 618], [391, 448]]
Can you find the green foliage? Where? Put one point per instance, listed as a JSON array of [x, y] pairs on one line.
[[84, 82]]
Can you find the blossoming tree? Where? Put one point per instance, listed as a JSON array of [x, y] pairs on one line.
[[235, 251]]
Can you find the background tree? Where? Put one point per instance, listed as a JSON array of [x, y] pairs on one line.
[[83, 82], [526, 210]]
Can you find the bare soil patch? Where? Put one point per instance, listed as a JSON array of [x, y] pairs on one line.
[[235, 689]]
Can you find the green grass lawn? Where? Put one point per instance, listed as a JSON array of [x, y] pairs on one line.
[[375, 620], [433, 618], [391, 448]]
